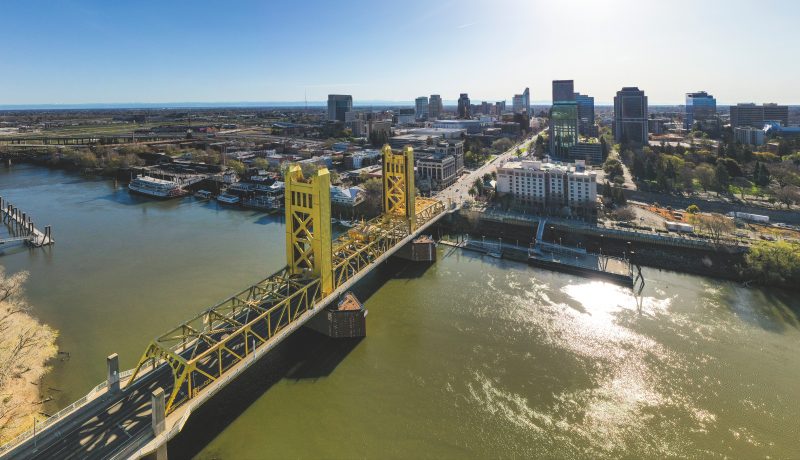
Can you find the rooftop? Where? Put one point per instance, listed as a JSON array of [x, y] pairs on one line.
[[574, 169]]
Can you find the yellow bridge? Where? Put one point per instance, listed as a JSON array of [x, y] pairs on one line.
[[192, 361], [229, 332]]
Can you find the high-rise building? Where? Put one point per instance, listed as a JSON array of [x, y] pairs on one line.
[[775, 112], [700, 106], [747, 115], [563, 91], [563, 129], [435, 107], [338, 106], [758, 115], [563, 120], [526, 101], [405, 116], [630, 116], [521, 103], [499, 107], [586, 126], [516, 103], [421, 110], [464, 109]]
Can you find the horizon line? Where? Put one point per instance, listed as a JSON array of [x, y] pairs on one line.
[[269, 104]]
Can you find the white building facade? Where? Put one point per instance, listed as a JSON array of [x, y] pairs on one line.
[[550, 188]]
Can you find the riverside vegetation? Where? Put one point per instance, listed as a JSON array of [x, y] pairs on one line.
[[26, 345]]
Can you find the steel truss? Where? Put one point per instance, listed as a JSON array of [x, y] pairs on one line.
[[201, 350]]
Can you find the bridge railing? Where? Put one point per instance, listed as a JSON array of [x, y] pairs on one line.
[[49, 421]]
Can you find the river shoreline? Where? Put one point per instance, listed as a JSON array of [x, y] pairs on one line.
[[27, 347], [720, 262]]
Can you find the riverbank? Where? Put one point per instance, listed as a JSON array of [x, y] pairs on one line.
[[26, 347], [717, 261]]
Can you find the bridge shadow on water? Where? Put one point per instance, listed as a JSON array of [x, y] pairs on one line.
[[303, 355]]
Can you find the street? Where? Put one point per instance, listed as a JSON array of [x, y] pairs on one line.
[[458, 192]]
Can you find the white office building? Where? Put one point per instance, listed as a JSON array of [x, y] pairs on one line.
[[749, 136], [547, 187]]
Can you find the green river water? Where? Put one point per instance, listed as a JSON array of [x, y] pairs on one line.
[[471, 357]]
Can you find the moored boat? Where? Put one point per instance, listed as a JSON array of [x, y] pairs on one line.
[[156, 188], [228, 199]]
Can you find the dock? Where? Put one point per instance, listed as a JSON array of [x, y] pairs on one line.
[[21, 227], [555, 257]]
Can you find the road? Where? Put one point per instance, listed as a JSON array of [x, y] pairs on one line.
[[100, 432], [114, 423], [459, 191]]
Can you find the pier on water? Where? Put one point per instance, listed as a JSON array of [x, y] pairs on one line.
[[21, 227]]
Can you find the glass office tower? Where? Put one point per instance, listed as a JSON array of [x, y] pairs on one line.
[[630, 116], [563, 129], [700, 106]]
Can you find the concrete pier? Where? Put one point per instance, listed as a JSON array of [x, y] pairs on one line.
[[158, 405], [112, 375], [345, 319], [422, 249]]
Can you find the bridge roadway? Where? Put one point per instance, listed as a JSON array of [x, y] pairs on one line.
[[118, 425]]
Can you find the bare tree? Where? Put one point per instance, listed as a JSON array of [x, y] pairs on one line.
[[788, 195], [716, 226], [623, 214], [25, 347]]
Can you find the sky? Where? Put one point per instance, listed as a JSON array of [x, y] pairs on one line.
[[87, 51]]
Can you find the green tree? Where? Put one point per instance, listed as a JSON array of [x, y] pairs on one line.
[[502, 144], [373, 195], [613, 168], [705, 176], [261, 163], [722, 177], [478, 186], [784, 148], [604, 148], [237, 166], [775, 262]]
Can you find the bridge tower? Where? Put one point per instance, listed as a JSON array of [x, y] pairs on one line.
[[398, 184], [308, 226]]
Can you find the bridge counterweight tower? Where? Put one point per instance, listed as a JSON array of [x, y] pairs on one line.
[[398, 184], [308, 225]]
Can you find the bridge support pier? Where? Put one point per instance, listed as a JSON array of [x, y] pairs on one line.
[[422, 249], [346, 319], [112, 375], [158, 406]]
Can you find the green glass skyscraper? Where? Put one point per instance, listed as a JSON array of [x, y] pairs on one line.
[[563, 119]]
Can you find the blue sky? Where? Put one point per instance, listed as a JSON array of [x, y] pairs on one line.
[[76, 51]]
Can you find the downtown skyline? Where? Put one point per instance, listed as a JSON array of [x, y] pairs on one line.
[[88, 52]]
